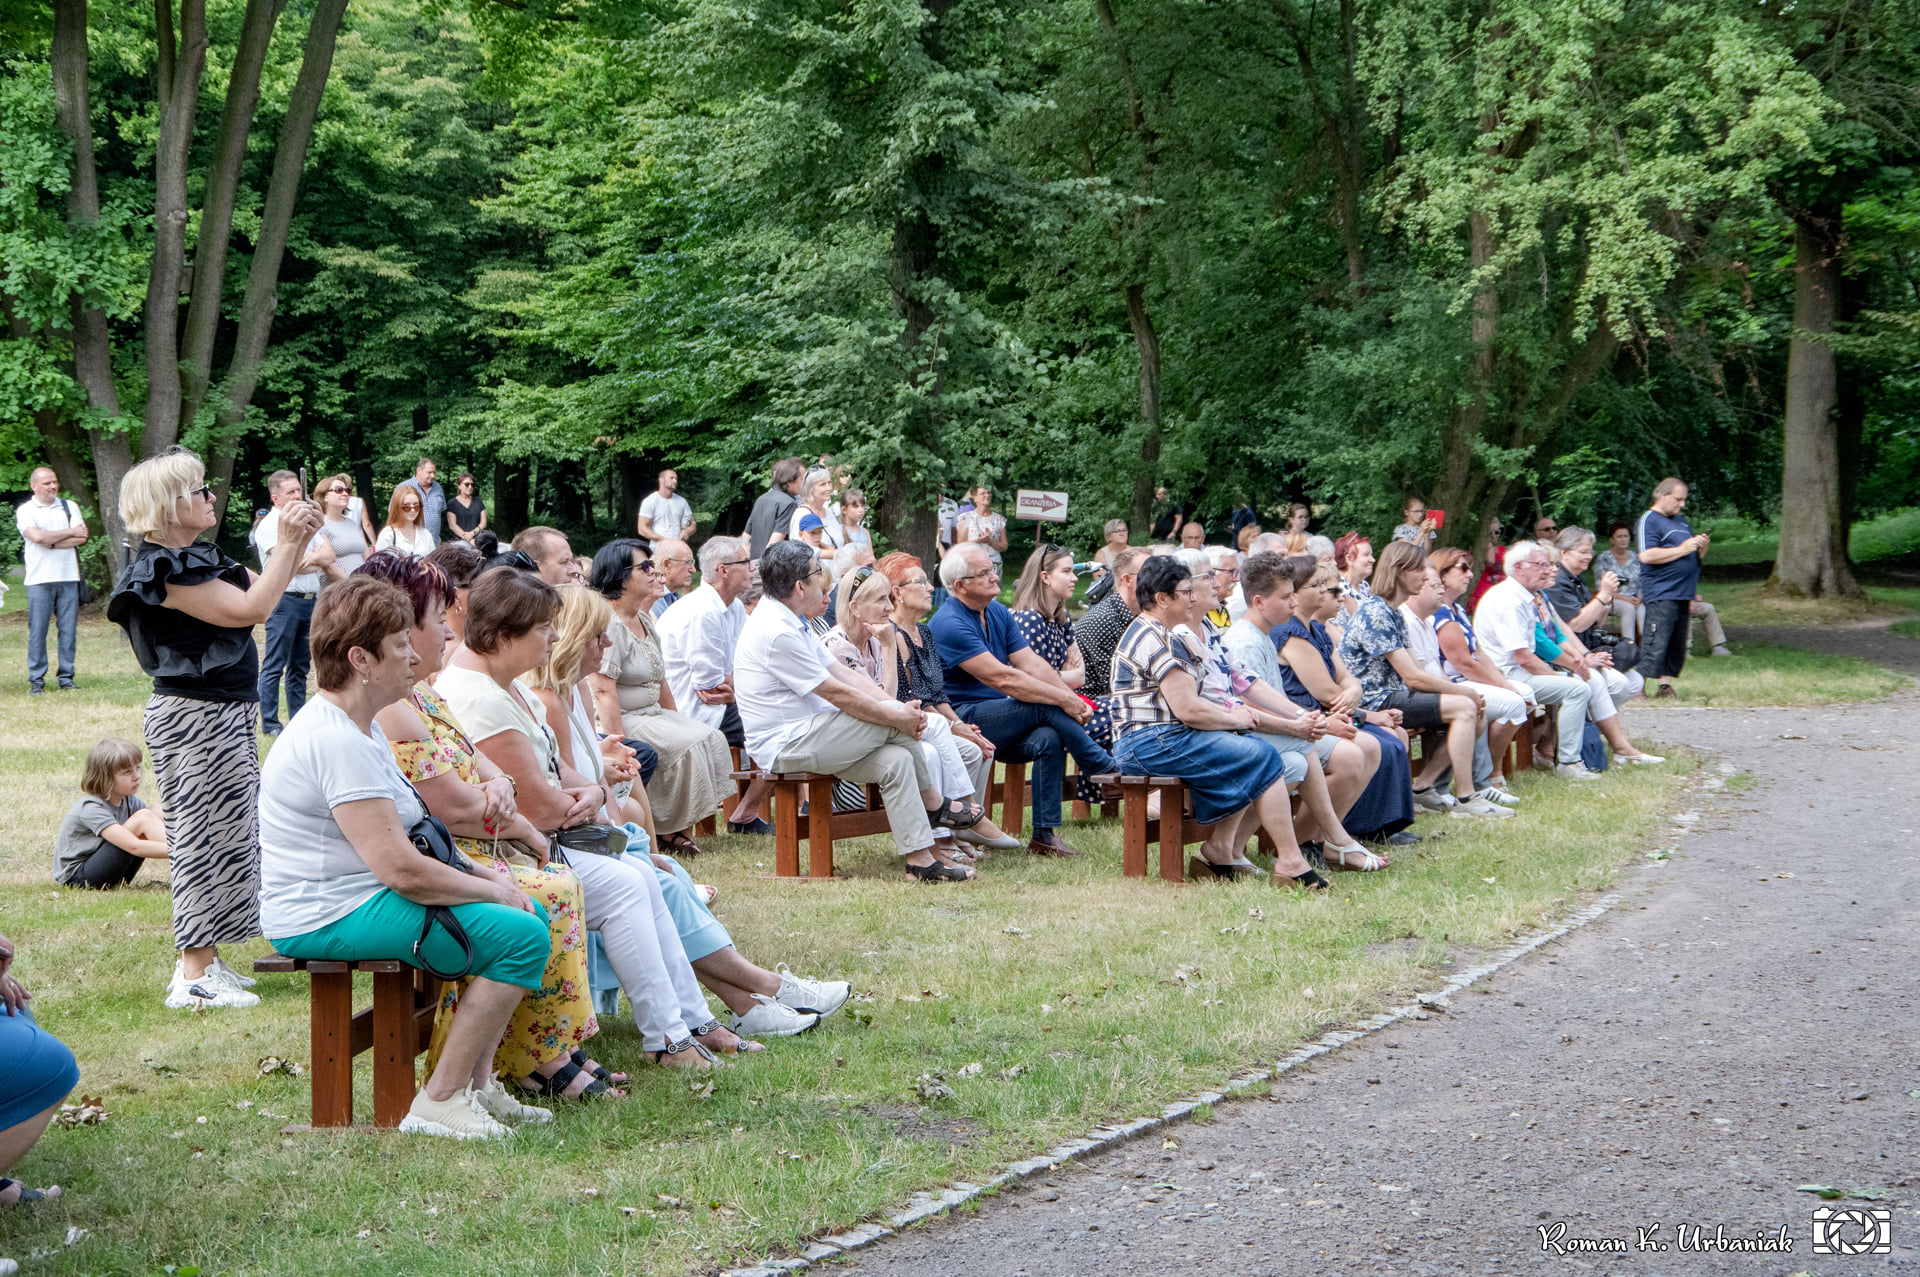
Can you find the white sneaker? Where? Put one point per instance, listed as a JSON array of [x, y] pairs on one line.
[[773, 1019], [210, 990], [821, 997], [1497, 794], [458, 1117], [221, 969], [1644, 760], [500, 1104], [1432, 799], [1478, 807], [1721, 651], [1575, 771]]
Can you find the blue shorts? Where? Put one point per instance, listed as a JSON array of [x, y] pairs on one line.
[[1224, 771], [37, 1070]]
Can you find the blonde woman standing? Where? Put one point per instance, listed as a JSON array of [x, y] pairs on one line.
[[189, 612]]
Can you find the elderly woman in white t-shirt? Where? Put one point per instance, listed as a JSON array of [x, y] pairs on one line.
[[341, 881]]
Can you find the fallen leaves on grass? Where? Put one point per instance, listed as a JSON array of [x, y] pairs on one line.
[[1182, 976], [274, 1064], [90, 1111], [932, 1086]]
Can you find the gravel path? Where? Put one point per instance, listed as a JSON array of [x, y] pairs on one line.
[[1742, 1024]]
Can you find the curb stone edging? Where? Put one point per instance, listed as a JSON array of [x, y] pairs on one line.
[[926, 1205]]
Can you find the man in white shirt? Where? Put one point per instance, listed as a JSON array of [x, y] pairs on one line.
[[698, 636], [802, 714], [1504, 622], [664, 515], [288, 653], [54, 532]]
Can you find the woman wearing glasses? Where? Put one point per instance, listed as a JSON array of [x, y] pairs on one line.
[[189, 613], [1040, 611], [631, 697], [342, 531], [466, 513], [406, 531]]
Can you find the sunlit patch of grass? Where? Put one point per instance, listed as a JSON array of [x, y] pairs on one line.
[[1769, 674]]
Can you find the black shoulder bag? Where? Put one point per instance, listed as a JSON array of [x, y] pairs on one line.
[[434, 840]]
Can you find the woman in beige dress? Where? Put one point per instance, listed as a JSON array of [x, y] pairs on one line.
[[695, 774]]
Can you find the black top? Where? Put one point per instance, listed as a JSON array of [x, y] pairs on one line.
[[772, 512], [921, 676], [1317, 638], [185, 655], [1098, 633], [1569, 594], [466, 518]]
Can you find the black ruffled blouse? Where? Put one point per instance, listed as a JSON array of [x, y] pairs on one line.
[[185, 655]]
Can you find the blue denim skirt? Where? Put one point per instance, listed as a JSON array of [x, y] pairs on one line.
[[1223, 771]]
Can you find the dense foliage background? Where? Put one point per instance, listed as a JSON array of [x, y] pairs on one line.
[[1504, 256]]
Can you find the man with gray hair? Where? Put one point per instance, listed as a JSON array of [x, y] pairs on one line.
[[53, 532], [1504, 623], [802, 714], [698, 636], [673, 560]]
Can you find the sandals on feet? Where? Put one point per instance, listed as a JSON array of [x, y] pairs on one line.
[[679, 844], [1201, 869], [937, 872], [1308, 881], [707, 1061], [740, 1046], [555, 1087], [1354, 856], [957, 813], [601, 1071], [29, 1196]]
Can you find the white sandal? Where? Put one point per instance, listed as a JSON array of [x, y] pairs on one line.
[[1369, 862]]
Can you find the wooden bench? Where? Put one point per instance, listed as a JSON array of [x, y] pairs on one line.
[[1012, 794], [708, 825], [824, 825], [396, 1028], [1139, 831]]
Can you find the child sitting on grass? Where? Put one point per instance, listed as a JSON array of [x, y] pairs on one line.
[[108, 833]]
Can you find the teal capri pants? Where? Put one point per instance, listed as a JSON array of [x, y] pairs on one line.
[[509, 945]]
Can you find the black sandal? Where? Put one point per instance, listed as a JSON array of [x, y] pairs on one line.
[[600, 1071], [937, 872], [1308, 881], [679, 844], [555, 1087], [1197, 865], [746, 1046], [30, 1196], [957, 813]]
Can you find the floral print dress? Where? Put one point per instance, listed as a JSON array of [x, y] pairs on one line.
[[551, 1021], [1052, 641]]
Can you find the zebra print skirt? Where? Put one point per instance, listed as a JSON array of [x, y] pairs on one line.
[[207, 767]]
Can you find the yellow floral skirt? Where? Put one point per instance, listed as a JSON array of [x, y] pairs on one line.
[[554, 1019]]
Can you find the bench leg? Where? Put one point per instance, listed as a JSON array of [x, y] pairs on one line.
[[704, 827], [394, 1038], [1133, 832], [820, 828], [786, 828], [1173, 833], [330, 1019], [1013, 799]]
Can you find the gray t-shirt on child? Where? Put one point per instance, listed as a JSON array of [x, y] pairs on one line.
[[82, 832]]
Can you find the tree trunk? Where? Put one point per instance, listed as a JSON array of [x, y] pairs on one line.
[[172, 153], [638, 477], [1146, 342], [92, 350], [1353, 137], [1813, 559], [216, 206], [509, 499], [904, 516], [1469, 419], [270, 245]]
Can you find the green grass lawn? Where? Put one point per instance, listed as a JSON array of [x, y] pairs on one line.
[[1770, 674], [1750, 603], [1737, 540], [1061, 980]]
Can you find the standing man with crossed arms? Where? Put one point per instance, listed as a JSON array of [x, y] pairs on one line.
[[54, 533], [665, 516]]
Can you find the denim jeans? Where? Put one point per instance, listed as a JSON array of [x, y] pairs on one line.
[[58, 601], [1042, 735], [288, 653]]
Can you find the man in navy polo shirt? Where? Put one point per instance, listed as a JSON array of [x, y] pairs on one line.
[[1670, 555], [1003, 687]]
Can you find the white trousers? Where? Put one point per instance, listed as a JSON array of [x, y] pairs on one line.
[[957, 765], [1504, 705], [1633, 619], [625, 905], [1608, 686]]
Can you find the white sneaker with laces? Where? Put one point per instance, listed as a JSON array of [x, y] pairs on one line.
[[458, 1117], [1479, 807], [501, 1105], [1575, 771], [1496, 794], [227, 973], [821, 997], [771, 1018], [1432, 800], [210, 990], [1643, 760]]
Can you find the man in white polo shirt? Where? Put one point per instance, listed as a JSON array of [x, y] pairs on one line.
[[288, 654], [665, 515], [802, 715], [54, 531], [1504, 623]]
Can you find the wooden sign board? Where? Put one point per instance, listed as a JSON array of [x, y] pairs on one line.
[[1051, 506]]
